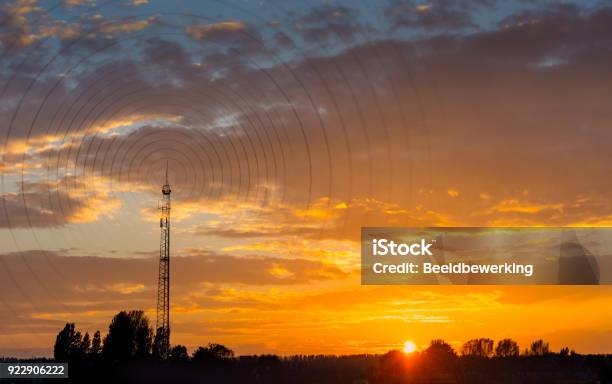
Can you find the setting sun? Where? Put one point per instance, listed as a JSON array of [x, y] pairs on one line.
[[409, 347]]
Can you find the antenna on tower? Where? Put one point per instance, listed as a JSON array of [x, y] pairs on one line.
[[166, 171], [162, 336]]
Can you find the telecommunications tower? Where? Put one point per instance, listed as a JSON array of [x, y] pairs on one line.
[[163, 284]]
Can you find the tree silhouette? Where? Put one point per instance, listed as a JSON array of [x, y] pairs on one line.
[[507, 348], [68, 344], [85, 346], [212, 353], [96, 346], [129, 336], [179, 353], [220, 351], [482, 347], [440, 350], [539, 348], [564, 352]]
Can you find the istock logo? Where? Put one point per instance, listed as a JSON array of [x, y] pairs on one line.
[[383, 247]]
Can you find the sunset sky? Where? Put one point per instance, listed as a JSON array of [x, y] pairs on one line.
[[287, 126]]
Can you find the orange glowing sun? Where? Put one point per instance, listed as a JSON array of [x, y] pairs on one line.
[[409, 347]]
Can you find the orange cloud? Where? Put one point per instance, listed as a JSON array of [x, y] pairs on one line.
[[76, 3], [42, 143], [115, 27], [200, 32], [323, 219], [516, 206], [51, 203], [341, 252], [452, 192]]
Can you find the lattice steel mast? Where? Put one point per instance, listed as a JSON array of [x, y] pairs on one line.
[[163, 284]]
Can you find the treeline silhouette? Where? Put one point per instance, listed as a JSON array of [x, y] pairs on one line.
[[482, 361], [128, 354], [129, 337]]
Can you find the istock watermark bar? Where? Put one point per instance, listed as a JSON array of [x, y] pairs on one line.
[[486, 256]]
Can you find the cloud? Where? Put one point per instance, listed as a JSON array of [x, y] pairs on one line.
[[103, 128], [23, 7], [324, 219], [77, 3], [229, 44], [82, 288], [34, 155], [17, 30], [126, 26], [91, 274], [283, 41], [31, 35], [516, 206], [340, 252], [433, 15], [386, 135], [51, 204], [216, 31], [328, 23], [25, 23]]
